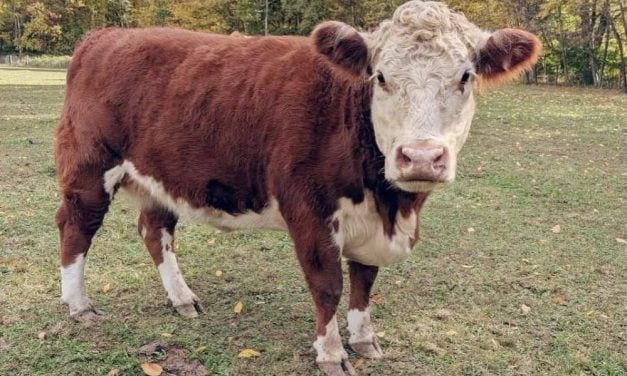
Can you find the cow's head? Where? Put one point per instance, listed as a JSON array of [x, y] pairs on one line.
[[425, 64]]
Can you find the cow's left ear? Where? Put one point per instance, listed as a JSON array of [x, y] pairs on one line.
[[507, 53], [342, 45]]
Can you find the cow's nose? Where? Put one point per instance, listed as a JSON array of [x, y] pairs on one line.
[[422, 162]]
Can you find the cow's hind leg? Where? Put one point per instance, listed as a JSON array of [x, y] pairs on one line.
[[80, 215], [156, 226], [362, 338]]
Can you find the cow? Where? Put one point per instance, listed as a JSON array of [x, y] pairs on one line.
[[337, 138]]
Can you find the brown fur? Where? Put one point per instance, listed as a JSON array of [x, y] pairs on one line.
[[506, 54]]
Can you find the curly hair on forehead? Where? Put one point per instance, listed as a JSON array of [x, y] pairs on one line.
[[428, 28]]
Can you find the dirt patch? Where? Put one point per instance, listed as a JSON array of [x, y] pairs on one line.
[[172, 358]]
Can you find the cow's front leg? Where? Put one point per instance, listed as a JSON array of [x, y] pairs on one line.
[[320, 259], [362, 337]]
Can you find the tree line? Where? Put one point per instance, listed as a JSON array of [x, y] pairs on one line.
[[584, 40]]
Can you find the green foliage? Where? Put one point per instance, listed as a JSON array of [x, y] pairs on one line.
[[41, 31], [584, 40]]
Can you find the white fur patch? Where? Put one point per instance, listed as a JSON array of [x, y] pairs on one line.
[[73, 286], [112, 178], [178, 291], [148, 189], [329, 347], [359, 326], [362, 238]]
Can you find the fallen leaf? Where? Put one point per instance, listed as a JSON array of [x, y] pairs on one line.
[[559, 298], [167, 335], [360, 363], [470, 230], [114, 372], [380, 334], [151, 369], [41, 335], [211, 241], [398, 283], [218, 273], [621, 240], [106, 288], [377, 299], [467, 266], [200, 349], [525, 309], [556, 229], [248, 353], [238, 308], [155, 347], [451, 333], [442, 314]]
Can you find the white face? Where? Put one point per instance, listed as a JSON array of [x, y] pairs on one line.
[[423, 105]]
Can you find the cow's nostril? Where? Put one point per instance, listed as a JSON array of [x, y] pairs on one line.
[[440, 161]]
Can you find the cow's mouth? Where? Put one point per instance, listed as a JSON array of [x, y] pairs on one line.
[[415, 186]]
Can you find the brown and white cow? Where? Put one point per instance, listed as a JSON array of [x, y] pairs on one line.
[[337, 138]]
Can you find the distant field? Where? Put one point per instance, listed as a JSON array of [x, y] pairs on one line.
[[521, 270]]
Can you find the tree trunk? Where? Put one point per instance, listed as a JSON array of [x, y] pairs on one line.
[[604, 59], [563, 48], [17, 31], [621, 51]]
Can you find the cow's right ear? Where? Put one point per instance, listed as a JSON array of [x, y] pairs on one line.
[[342, 45]]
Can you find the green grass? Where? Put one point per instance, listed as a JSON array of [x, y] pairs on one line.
[[537, 157]]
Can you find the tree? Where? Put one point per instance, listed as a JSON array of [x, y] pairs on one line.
[[41, 30]]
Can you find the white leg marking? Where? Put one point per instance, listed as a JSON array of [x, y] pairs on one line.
[[73, 286], [329, 346], [112, 178], [144, 232], [178, 291], [359, 326]]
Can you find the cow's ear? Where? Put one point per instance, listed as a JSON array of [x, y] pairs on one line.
[[342, 45], [507, 53]]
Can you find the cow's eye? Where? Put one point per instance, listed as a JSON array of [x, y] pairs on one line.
[[380, 78], [465, 77], [461, 86]]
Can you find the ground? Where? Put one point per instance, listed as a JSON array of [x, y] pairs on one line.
[[520, 269]]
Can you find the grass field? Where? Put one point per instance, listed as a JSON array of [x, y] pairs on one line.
[[521, 270]]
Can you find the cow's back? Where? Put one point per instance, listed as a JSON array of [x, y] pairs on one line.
[[200, 113]]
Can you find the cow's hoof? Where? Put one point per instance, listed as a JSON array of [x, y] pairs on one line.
[[190, 310], [370, 350], [89, 316], [345, 368]]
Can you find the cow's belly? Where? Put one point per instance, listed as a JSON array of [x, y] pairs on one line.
[[362, 238], [149, 192], [360, 233]]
